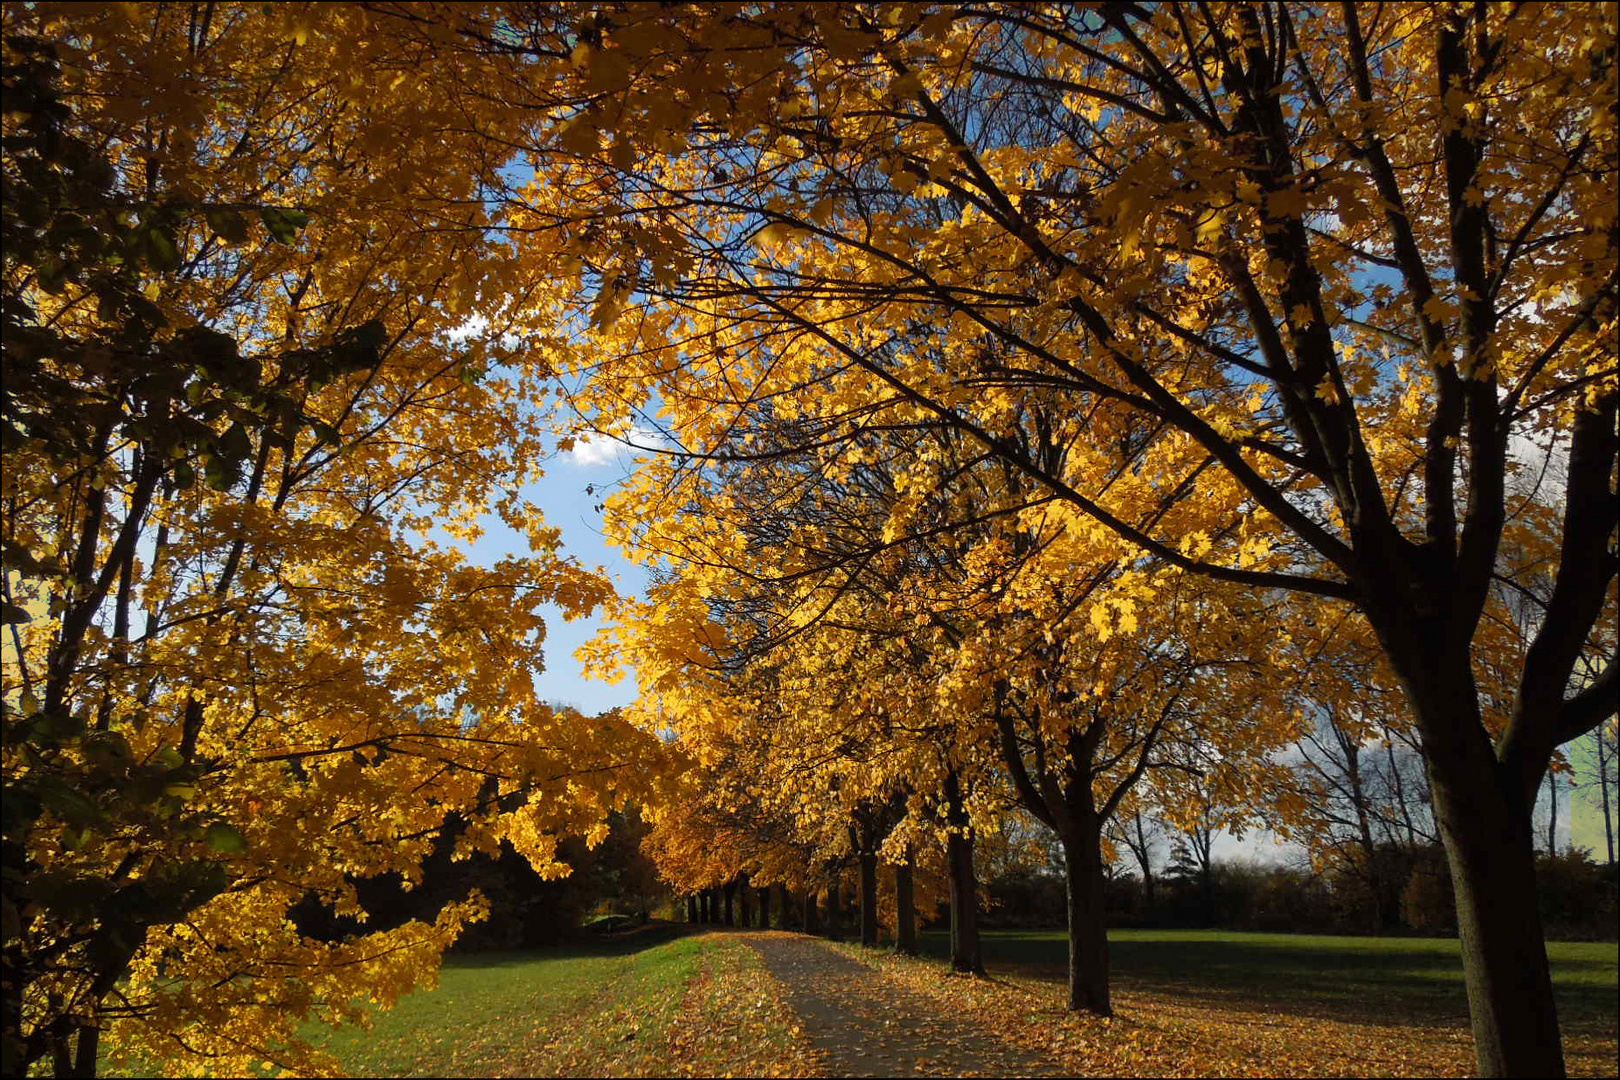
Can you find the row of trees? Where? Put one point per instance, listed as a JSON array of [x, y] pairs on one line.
[[1069, 406], [1578, 899], [1061, 407]]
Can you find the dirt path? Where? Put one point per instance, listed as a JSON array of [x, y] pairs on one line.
[[863, 1024]]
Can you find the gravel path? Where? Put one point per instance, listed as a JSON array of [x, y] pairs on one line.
[[864, 1025]]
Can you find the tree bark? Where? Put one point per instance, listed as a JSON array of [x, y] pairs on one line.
[[726, 892], [61, 1056], [905, 908], [965, 955], [1088, 926], [692, 908], [765, 908], [1490, 845], [1605, 767], [869, 899], [810, 926], [964, 885], [746, 915], [1552, 813], [84, 1062], [835, 914]]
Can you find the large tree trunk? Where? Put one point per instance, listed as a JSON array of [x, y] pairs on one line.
[[869, 899], [691, 908], [1490, 845], [835, 913], [965, 956], [1088, 926], [1484, 809], [905, 908], [747, 914], [765, 908], [809, 926], [726, 892]]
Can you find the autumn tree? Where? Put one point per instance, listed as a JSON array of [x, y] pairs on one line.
[[238, 402], [1350, 255]]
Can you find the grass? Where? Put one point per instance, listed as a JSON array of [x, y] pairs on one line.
[[1377, 977], [490, 1008], [1217, 1003], [673, 1001], [655, 1002], [663, 1000]]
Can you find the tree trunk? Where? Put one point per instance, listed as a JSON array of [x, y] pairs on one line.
[[905, 908], [1144, 859], [1490, 846], [747, 913], [691, 908], [810, 926], [1605, 767], [61, 1056], [765, 908], [726, 891], [869, 899], [835, 914], [84, 1062], [965, 956], [1088, 926], [1552, 812]]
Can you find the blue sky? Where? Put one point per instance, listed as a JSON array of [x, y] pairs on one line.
[[562, 495]]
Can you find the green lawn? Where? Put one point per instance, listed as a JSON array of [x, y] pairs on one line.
[[1391, 978], [653, 1002], [491, 1007]]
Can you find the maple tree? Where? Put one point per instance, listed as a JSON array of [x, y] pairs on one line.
[[1298, 288], [239, 669], [1348, 260]]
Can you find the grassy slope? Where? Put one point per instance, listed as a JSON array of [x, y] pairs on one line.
[[1380, 978], [654, 1003]]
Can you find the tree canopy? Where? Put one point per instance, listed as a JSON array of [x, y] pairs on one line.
[[1046, 396]]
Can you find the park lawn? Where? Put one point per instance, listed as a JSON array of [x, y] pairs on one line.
[[657, 1002], [1191, 1003], [1372, 977]]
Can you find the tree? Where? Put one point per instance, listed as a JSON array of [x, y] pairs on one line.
[[1605, 755], [237, 670], [1345, 256], [1138, 833]]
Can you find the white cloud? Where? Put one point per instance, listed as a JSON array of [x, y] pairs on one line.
[[474, 326], [594, 449]]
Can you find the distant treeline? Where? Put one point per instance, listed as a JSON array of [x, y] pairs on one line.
[[1408, 892]]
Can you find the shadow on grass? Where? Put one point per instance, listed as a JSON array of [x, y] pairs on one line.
[[1367, 980], [621, 943]]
